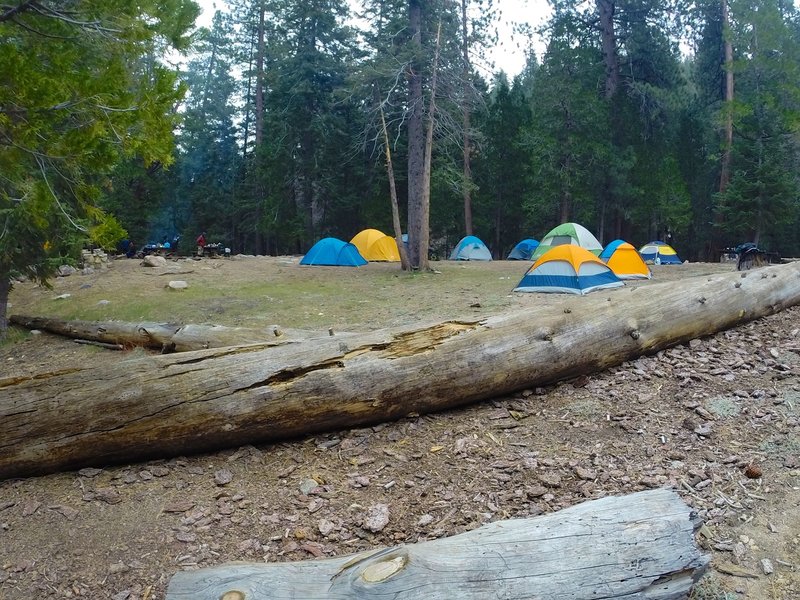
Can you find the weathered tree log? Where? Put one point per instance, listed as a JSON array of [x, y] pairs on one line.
[[636, 546], [147, 335], [206, 400], [167, 337]]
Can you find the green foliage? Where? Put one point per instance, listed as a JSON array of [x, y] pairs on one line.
[[14, 336], [82, 88], [548, 146], [762, 198], [107, 232], [569, 131], [502, 168]]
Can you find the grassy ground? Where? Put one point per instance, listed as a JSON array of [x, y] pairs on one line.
[[275, 290]]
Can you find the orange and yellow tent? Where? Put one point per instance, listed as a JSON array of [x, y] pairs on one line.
[[625, 261], [568, 269]]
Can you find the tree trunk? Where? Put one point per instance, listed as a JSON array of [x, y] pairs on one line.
[[416, 137], [465, 114], [210, 399], [246, 126], [398, 230], [565, 205], [5, 290], [636, 546], [209, 74], [167, 337], [259, 134], [725, 168], [601, 228], [423, 240], [608, 41]]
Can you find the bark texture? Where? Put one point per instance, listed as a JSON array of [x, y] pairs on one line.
[[727, 147], [167, 337], [210, 399], [608, 39], [636, 546], [416, 137]]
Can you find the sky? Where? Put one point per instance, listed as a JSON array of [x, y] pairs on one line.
[[508, 55]]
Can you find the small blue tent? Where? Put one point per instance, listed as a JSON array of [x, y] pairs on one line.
[[523, 250], [659, 252], [470, 248], [332, 252]]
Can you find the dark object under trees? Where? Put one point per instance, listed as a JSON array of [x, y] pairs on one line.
[[635, 546], [751, 257], [163, 406]]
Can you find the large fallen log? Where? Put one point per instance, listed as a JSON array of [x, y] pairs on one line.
[[206, 400], [166, 337], [636, 546]]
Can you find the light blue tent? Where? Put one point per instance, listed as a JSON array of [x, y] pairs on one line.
[[523, 250], [332, 252], [471, 248]]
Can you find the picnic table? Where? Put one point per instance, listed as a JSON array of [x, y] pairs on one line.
[[158, 249], [215, 250]]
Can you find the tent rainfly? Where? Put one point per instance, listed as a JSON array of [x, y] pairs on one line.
[[625, 261], [374, 245], [659, 253], [523, 250], [470, 248], [568, 233], [332, 252], [568, 269]]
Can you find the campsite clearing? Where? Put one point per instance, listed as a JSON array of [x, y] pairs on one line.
[[718, 419]]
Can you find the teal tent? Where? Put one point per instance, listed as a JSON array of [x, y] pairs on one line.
[[332, 252]]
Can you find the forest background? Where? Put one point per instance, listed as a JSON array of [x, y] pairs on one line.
[[618, 130], [641, 120]]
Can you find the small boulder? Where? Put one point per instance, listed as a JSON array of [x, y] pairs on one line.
[[376, 518], [151, 260], [307, 486], [66, 270], [223, 477], [177, 285], [326, 527]]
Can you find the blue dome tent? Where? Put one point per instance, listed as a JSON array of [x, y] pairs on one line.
[[471, 248], [660, 253], [523, 250], [332, 252]]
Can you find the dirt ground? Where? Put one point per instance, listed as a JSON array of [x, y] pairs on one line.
[[717, 419]]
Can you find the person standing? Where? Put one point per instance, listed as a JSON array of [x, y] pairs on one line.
[[201, 243]]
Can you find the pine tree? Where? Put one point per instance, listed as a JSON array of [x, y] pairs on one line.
[[81, 89]]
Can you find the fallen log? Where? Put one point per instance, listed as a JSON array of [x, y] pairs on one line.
[[200, 401], [636, 546], [100, 344], [145, 334], [166, 337]]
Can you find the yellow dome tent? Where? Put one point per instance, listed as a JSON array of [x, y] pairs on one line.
[[625, 261], [375, 245]]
